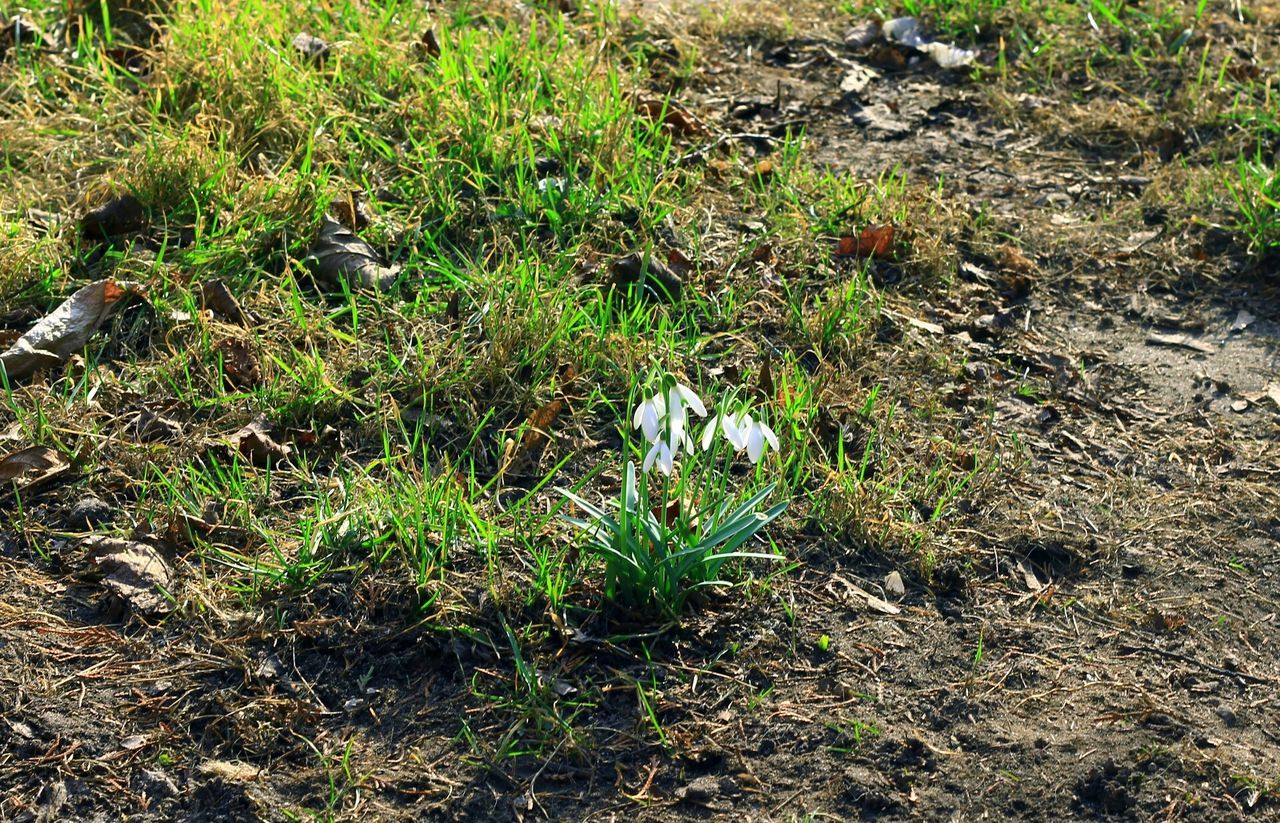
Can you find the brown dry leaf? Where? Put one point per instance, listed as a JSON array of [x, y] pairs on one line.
[[257, 445], [428, 45], [239, 363], [1184, 341], [339, 256], [1013, 260], [656, 277], [66, 329], [678, 120], [226, 770], [874, 603], [150, 427], [216, 297], [118, 215], [873, 241], [765, 389], [32, 466], [134, 572]]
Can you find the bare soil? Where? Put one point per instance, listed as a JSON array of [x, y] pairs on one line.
[[1099, 637]]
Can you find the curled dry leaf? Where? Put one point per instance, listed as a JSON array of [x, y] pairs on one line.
[[118, 215], [873, 241], [257, 445], [216, 297], [239, 363], [150, 427], [19, 32], [428, 46], [31, 466], [339, 256], [134, 572], [673, 117], [651, 275], [65, 330], [350, 211]]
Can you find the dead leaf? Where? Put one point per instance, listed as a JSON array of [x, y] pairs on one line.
[[239, 363], [216, 297], [678, 263], [1029, 576], [1244, 318], [652, 275], [134, 572], [133, 742], [674, 118], [311, 47], [255, 443], [874, 603], [150, 427], [428, 45], [1184, 341], [894, 585], [32, 466], [65, 330], [118, 215], [235, 772], [858, 78], [1013, 260], [765, 389], [873, 241], [862, 35], [339, 256], [20, 31], [1272, 392]]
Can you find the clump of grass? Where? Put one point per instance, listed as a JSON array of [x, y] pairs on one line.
[[1256, 192]]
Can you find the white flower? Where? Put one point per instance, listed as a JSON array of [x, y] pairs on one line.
[[663, 419], [648, 417], [727, 425], [662, 454], [757, 434]]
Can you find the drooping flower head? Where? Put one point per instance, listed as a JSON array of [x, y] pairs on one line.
[[663, 419]]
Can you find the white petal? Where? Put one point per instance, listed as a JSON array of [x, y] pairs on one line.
[[652, 423], [692, 400], [639, 415], [733, 433], [710, 432], [666, 459], [769, 435], [755, 444], [650, 457]]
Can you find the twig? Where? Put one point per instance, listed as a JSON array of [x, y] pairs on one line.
[[1251, 678]]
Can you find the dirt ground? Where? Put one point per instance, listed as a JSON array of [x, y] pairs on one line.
[[1100, 639]]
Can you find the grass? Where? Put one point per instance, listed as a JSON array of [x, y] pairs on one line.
[[502, 175]]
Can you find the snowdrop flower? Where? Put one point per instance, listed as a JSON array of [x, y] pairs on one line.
[[757, 434], [662, 454], [663, 418], [727, 425]]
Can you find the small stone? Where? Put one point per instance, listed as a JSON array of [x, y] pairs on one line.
[[90, 512]]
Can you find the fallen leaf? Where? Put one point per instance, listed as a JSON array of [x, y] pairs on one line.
[[1029, 578], [873, 241], [873, 602], [133, 742], [150, 427], [653, 276], [339, 256], [255, 443], [226, 770], [134, 572], [893, 584], [862, 35], [1184, 341], [428, 45], [65, 330], [1244, 318], [117, 216], [1272, 392], [672, 116], [311, 47], [678, 263], [1013, 260], [32, 466], [216, 297], [765, 389], [907, 31], [239, 363], [858, 78]]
